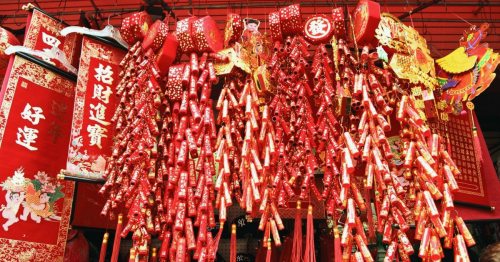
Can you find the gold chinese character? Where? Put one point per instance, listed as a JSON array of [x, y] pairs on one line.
[[96, 133], [104, 74], [444, 117], [58, 109], [99, 114], [55, 131], [102, 94]]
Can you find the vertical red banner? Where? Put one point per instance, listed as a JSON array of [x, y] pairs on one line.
[[35, 127], [92, 133], [95, 104], [471, 181], [43, 33]]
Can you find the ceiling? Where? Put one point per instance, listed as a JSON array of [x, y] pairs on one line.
[[441, 23]]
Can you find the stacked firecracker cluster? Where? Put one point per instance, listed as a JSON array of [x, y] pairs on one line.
[[163, 165]]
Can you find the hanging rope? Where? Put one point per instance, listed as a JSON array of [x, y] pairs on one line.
[[461, 18]]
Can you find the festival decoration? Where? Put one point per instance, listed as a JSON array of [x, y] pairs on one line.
[[365, 19], [285, 114], [468, 71], [91, 134], [43, 34], [36, 99], [7, 39], [318, 29]]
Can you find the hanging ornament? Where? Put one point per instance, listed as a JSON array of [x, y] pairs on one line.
[[318, 29]]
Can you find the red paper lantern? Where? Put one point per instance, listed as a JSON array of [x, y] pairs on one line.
[[366, 17], [183, 32], [206, 35], [135, 27], [155, 36]]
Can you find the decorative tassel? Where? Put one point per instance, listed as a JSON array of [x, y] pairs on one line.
[[336, 243], [233, 244], [104, 246], [154, 255], [116, 244], [215, 241], [268, 234], [310, 255], [477, 145], [297, 236], [369, 214]]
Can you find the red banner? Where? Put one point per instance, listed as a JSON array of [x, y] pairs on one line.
[[471, 179], [89, 148], [92, 133], [35, 126], [42, 33]]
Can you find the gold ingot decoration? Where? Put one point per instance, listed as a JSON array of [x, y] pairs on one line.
[[234, 61]]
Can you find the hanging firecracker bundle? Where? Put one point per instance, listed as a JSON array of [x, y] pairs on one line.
[[267, 139]]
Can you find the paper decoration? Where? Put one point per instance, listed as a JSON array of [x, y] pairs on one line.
[[318, 29], [92, 131], [35, 127], [43, 33]]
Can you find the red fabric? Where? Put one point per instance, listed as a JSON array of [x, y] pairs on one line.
[[96, 95], [472, 179], [77, 248], [366, 17], [492, 186], [42, 34], [44, 203]]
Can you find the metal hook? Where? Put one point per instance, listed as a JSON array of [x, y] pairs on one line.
[[15, 22]]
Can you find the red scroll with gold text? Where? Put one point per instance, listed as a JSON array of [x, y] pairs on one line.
[[43, 33], [96, 100], [471, 180], [35, 125], [90, 144]]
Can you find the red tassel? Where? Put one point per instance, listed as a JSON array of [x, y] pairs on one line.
[[369, 214], [297, 236], [336, 243], [116, 244], [268, 231], [269, 251], [233, 244], [154, 255], [215, 242], [104, 246], [310, 255], [477, 145]]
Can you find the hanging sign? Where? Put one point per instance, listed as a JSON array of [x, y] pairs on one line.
[[96, 100], [43, 34], [35, 126]]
